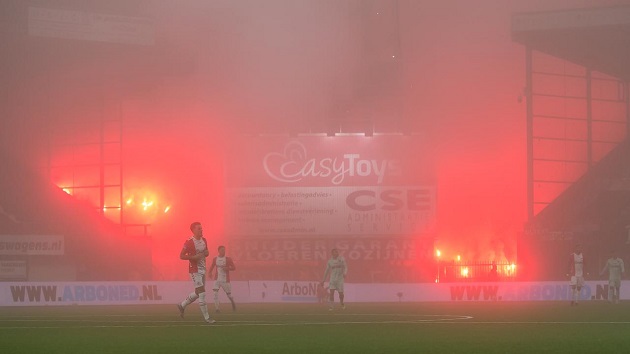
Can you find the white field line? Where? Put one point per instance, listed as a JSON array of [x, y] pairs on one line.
[[88, 321], [85, 321]]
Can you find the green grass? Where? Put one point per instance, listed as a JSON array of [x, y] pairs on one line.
[[483, 327]]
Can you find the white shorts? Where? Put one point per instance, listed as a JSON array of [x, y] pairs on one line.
[[227, 287], [336, 284], [577, 281], [198, 279], [614, 283]]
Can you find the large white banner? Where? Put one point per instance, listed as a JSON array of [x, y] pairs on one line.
[[145, 293], [294, 199], [336, 186]]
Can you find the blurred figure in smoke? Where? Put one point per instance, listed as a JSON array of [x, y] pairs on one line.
[[576, 272], [195, 250], [615, 271], [493, 275], [224, 266], [337, 268]]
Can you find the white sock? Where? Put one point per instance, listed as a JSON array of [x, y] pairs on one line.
[[202, 306], [611, 293], [216, 300], [190, 299], [617, 291]]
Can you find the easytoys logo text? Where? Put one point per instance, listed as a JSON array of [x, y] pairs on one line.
[[293, 165]]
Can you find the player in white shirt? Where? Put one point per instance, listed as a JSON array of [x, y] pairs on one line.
[[224, 266], [337, 268], [615, 268], [576, 272]]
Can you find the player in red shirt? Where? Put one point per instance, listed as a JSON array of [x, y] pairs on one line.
[[195, 250]]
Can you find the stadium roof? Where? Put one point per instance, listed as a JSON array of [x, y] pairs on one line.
[[596, 38]]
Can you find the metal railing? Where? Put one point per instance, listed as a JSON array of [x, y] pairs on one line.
[[475, 271]]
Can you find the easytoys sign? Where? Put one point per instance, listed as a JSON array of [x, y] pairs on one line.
[[321, 161], [294, 165]]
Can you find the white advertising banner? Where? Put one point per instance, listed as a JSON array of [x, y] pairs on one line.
[[293, 199], [43, 245], [292, 291], [144, 293], [329, 186], [105, 293]]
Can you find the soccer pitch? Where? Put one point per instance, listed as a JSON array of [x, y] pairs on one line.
[[471, 327]]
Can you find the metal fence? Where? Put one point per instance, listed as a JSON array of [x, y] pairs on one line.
[[475, 271]]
